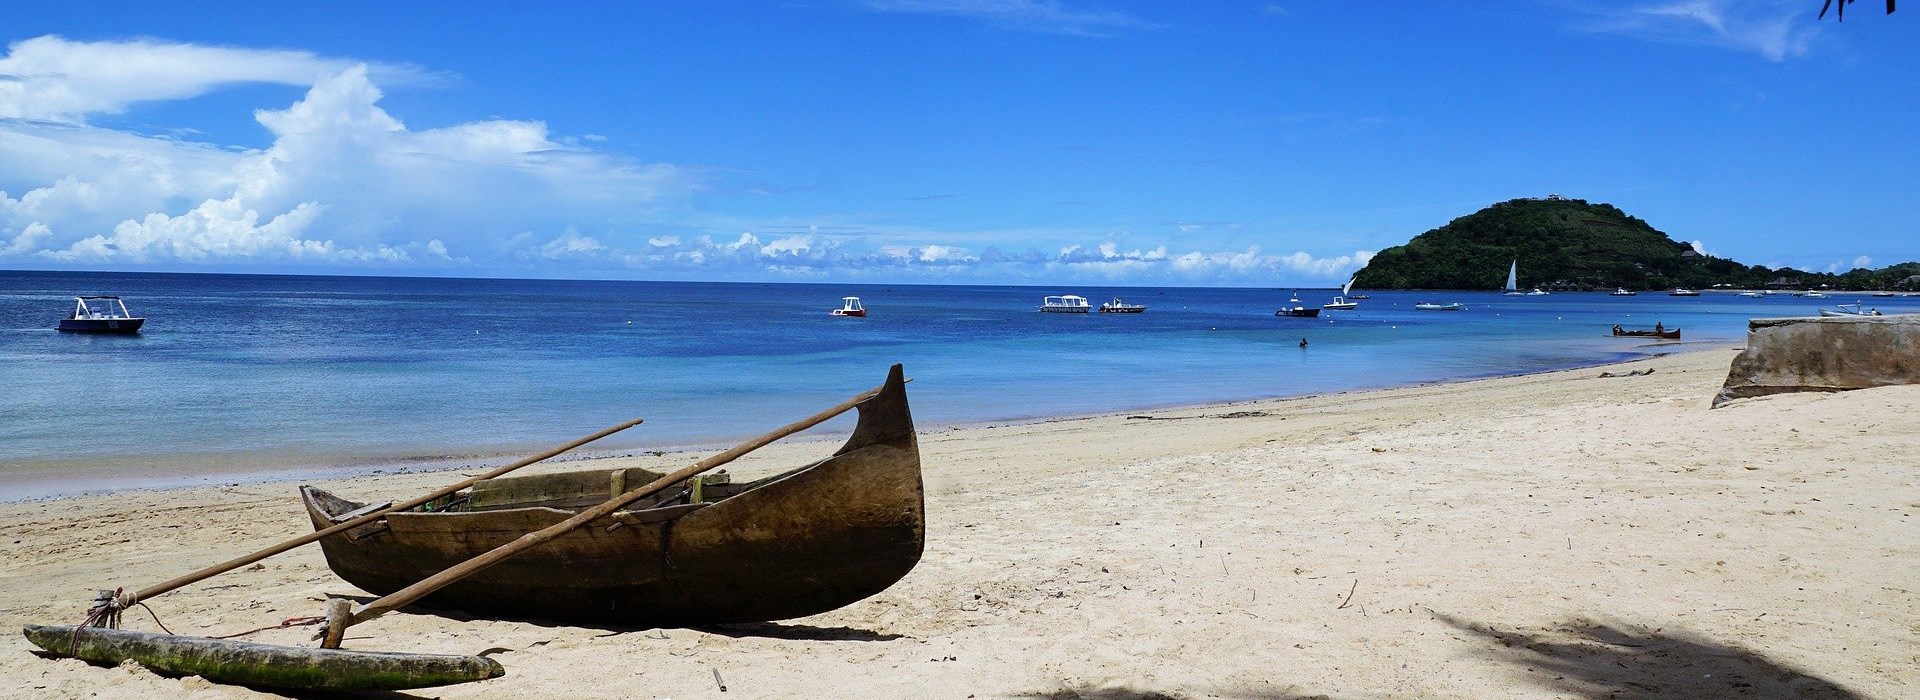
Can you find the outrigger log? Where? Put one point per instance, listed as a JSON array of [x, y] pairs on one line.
[[329, 667]]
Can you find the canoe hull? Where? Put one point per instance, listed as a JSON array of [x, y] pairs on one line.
[[800, 543], [266, 665]]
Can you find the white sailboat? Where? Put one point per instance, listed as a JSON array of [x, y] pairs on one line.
[[1513, 283], [1340, 303]]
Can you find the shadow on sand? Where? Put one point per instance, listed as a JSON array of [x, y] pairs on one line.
[[1598, 661], [803, 633], [769, 630], [1133, 694]]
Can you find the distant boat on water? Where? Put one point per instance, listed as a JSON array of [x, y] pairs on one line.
[[1622, 292], [1683, 292], [1658, 331], [1435, 306], [1513, 280], [1065, 304], [1755, 295], [1342, 302], [107, 314], [1854, 309], [1296, 309], [849, 306], [1120, 307]]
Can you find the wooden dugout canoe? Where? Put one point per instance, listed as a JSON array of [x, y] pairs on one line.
[[798, 543]]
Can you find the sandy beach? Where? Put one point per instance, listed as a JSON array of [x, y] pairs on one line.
[[1558, 535]]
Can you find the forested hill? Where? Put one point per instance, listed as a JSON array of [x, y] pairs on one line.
[[1572, 244]]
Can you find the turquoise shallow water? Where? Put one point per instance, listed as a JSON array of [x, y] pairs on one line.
[[267, 375]]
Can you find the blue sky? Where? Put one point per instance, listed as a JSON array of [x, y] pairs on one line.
[[938, 141]]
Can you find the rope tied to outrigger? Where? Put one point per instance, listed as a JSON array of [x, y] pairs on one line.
[[289, 622], [105, 612]]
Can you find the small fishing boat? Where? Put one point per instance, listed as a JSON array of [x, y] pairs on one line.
[[1882, 294], [793, 544], [106, 314], [1854, 309], [1296, 309], [1657, 331], [1435, 306], [1065, 304], [1343, 302], [1120, 307], [1683, 292], [1622, 292], [849, 306]]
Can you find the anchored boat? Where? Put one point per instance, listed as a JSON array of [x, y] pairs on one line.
[[106, 314], [1657, 331], [849, 306], [1065, 304], [1295, 309]]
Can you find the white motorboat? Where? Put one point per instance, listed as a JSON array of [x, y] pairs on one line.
[[1854, 309], [1065, 304]]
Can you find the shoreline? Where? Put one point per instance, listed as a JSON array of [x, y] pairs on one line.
[[1544, 535], [166, 475]]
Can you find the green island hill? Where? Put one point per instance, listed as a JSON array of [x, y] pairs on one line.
[[1571, 244]]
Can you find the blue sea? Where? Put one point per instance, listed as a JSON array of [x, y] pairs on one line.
[[239, 377]]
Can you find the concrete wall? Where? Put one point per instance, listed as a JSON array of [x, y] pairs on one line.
[[1824, 354]]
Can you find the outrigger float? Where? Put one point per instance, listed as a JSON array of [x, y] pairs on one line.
[[883, 439]]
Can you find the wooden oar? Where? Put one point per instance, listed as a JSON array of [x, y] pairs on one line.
[[224, 567], [339, 617]]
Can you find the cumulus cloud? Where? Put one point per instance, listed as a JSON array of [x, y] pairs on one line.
[[344, 181], [1862, 261]]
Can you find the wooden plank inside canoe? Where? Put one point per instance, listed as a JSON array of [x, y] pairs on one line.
[[264, 665]]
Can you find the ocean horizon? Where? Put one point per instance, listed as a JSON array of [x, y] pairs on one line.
[[252, 377]]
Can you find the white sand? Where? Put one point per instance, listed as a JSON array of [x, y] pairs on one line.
[[1549, 536]]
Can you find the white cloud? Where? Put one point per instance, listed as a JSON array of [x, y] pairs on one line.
[[570, 244], [790, 246], [55, 79], [1862, 261], [1775, 29], [343, 181], [1042, 16], [943, 254], [28, 239], [1699, 247]]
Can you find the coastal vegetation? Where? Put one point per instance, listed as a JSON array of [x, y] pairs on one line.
[[1564, 243]]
